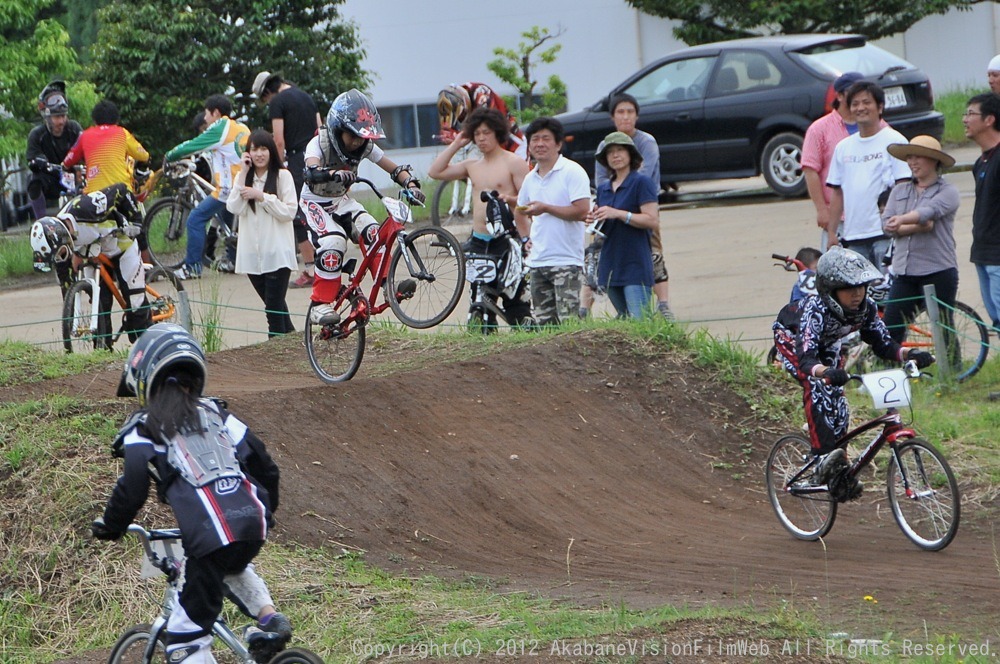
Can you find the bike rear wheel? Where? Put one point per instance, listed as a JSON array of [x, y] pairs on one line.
[[165, 225], [296, 656], [335, 351], [441, 207], [425, 295], [928, 511], [969, 344], [78, 309], [130, 647], [807, 516], [164, 307]]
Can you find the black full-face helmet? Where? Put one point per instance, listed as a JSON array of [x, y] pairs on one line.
[[162, 350], [842, 268], [354, 112]]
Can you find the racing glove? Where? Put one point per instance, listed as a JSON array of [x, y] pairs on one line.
[[346, 178], [921, 357], [101, 531], [417, 194], [38, 165], [316, 175], [836, 377]]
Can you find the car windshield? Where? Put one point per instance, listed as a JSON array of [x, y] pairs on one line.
[[836, 58]]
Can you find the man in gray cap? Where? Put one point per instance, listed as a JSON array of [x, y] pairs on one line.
[[817, 148], [294, 120]]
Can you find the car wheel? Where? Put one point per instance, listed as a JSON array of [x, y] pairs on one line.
[[781, 167]]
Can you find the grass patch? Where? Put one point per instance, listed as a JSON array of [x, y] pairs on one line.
[[952, 105], [22, 362], [15, 256]]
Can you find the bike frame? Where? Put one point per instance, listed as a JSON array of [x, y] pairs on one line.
[[892, 431], [98, 270], [220, 629]]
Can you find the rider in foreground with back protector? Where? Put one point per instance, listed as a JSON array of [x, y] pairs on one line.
[[332, 159]]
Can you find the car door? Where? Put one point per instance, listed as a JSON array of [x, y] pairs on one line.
[[671, 100], [747, 88]]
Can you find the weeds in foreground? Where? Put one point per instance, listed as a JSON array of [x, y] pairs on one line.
[[210, 314]]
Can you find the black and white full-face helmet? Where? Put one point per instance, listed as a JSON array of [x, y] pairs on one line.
[[51, 242], [842, 268], [354, 112], [162, 350]]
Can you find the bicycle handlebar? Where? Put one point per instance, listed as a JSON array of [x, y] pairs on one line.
[[404, 191], [789, 262]]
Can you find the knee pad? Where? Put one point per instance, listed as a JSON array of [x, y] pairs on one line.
[[366, 228], [330, 254]]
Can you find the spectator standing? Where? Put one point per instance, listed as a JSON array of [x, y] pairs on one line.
[[294, 121], [821, 138], [552, 204], [861, 170], [109, 150], [981, 119], [627, 211], [624, 111], [264, 199], [48, 143], [495, 170], [226, 139], [920, 216]]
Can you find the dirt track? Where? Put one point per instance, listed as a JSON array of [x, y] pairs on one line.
[[604, 477]]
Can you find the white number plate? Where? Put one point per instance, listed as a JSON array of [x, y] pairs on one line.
[[480, 269], [895, 97], [888, 389]]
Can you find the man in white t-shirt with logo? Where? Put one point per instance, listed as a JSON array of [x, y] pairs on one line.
[[552, 207], [861, 170]]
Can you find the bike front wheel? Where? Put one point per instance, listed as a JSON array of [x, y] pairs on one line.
[[923, 495], [426, 277], [335, 351], [78, 310], [165, 226], [130, 648], [807, 516], [296, 656]]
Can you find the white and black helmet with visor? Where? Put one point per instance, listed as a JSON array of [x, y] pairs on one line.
[[842, 268]]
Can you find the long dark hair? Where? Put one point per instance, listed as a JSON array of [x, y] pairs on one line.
[[261, 138], [174, 404]]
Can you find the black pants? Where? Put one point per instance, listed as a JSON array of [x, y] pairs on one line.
[[203, 591], [272, 287], [517, 308], [910, 289]]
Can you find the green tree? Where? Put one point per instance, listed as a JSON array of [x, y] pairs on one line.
[[159, 60], [33, 51], [517, 68], [704, 21]]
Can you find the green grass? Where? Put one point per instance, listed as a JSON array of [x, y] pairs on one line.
[[15, 256], [952, 105], [63, 593]]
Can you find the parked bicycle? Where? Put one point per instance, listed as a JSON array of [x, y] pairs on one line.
[[457, 193], [144, 644], [165, 224], [966, 334], [420, 278], [923, 493], [88, 305]]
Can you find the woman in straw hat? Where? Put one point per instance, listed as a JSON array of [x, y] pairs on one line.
[[920, 215], [627, 210]]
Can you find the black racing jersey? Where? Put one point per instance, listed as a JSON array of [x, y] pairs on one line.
[[210, 517]]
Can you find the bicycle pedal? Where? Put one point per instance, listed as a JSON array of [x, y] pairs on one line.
[[405, 289]]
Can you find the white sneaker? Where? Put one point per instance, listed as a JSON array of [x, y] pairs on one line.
[[324, 314]]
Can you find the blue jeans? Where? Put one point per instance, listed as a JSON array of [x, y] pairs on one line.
[[632, 301], [197, 221], [989, 287]]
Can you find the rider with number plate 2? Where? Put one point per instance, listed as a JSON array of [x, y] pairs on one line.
[[332, 159], [92, 220], [808, 335], [215, 474]]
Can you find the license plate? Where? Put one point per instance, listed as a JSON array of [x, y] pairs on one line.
[[895, 97], [480, 269]]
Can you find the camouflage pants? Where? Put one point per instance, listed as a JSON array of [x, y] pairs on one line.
[[555, 293]]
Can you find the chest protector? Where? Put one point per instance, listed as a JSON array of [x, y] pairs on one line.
[[335, 159], [206, 454]]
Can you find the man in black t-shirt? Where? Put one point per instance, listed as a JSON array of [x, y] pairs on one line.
[[982, 125], [294, 121], [48, 143]]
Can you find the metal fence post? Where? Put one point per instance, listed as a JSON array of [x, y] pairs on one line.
[[184, 311], [944, 368]]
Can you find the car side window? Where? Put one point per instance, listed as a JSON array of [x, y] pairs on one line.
[[680, 80], [744, 71]]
